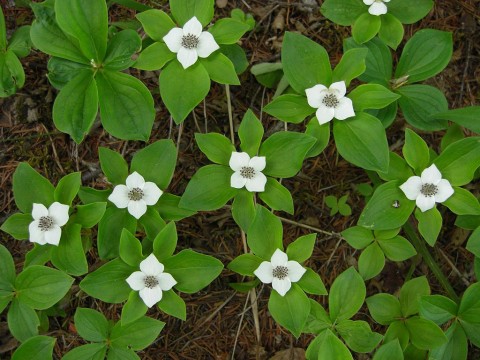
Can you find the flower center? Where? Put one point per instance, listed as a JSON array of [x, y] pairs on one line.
[[247, 172], [280, 272], [150, 281], [135, 194], [429, 189], [190, 41], [45, 223], [330, 100]]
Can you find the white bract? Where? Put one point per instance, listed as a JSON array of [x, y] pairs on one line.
[[377, 7], [427, 189], [136, 195], [151, 281], [330, 102], [190, 42], [280, 272], [248, 172], [45, 227]]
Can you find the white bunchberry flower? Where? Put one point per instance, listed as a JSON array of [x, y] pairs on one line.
[[377, 7], [45, 227], [136, 195], [280, 272], [190, 42], [151, 281], [427, 189], [248, 172], [330, 103]]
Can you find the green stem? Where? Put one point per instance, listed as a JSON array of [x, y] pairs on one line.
[[422, 249]]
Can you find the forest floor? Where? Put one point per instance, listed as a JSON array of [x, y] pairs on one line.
[[220, 320]]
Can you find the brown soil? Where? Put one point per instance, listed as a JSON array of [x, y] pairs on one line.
[[215, 321]]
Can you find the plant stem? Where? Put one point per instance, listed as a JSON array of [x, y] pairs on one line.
[[230, 114], [422, 249]]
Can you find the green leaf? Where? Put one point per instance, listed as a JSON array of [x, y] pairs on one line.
[[333, 348], [473, 244], [305, 63], [459, 161], [398, 169], [95, 351], [347, 295], [120, 50], [245, 264], [134, 308], [301, 249], [86, 23], [67, 188], [7, 269], [153, 224], [192, 271], [397, 248], [371, 261], [69, 255], [228, 31], [88, 195], [437, 308], [418, 102], [319, 132], [462, 202], [17, 226], [179, 97], [22, 320], [30, 187], [50, 39], [425, 334], [290, 311], [411, 293], [265, 234], [342, 12], [108, 240], [429, 224], [156, 23], [379, 60], [358, 237], [456, 348], [470, 304], [243, 209], [126, 105], [284, 152], [318, 320], [384, 308], [3, 32], [312, 283], [216, 147], [379, 214], [62, 71], [41, 287], [372, 96], [91, 325], [209, 189], [397, 331], [76, 106], [165, 242], [290, 108], [108, 283], [244, 287], [237, 56], [250, 133], [167, 207], [220, 69], [391, 31], [358, 336], [454, 133], [122, 353], [277, 196], [20, 42], [472, 331], [156, 162], [173, 305], [36, 348], [154, 57], [39, 255], [136, 335], [361, 140], [466, 117], [389, 351], [184, 10], [415, 151], [386, 115], [365, 27], [351, 65], [410, 11], [130, 249], [426, 54], [89, 215], [12, 74]]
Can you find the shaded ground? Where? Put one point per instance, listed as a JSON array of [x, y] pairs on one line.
[[215, 320]]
